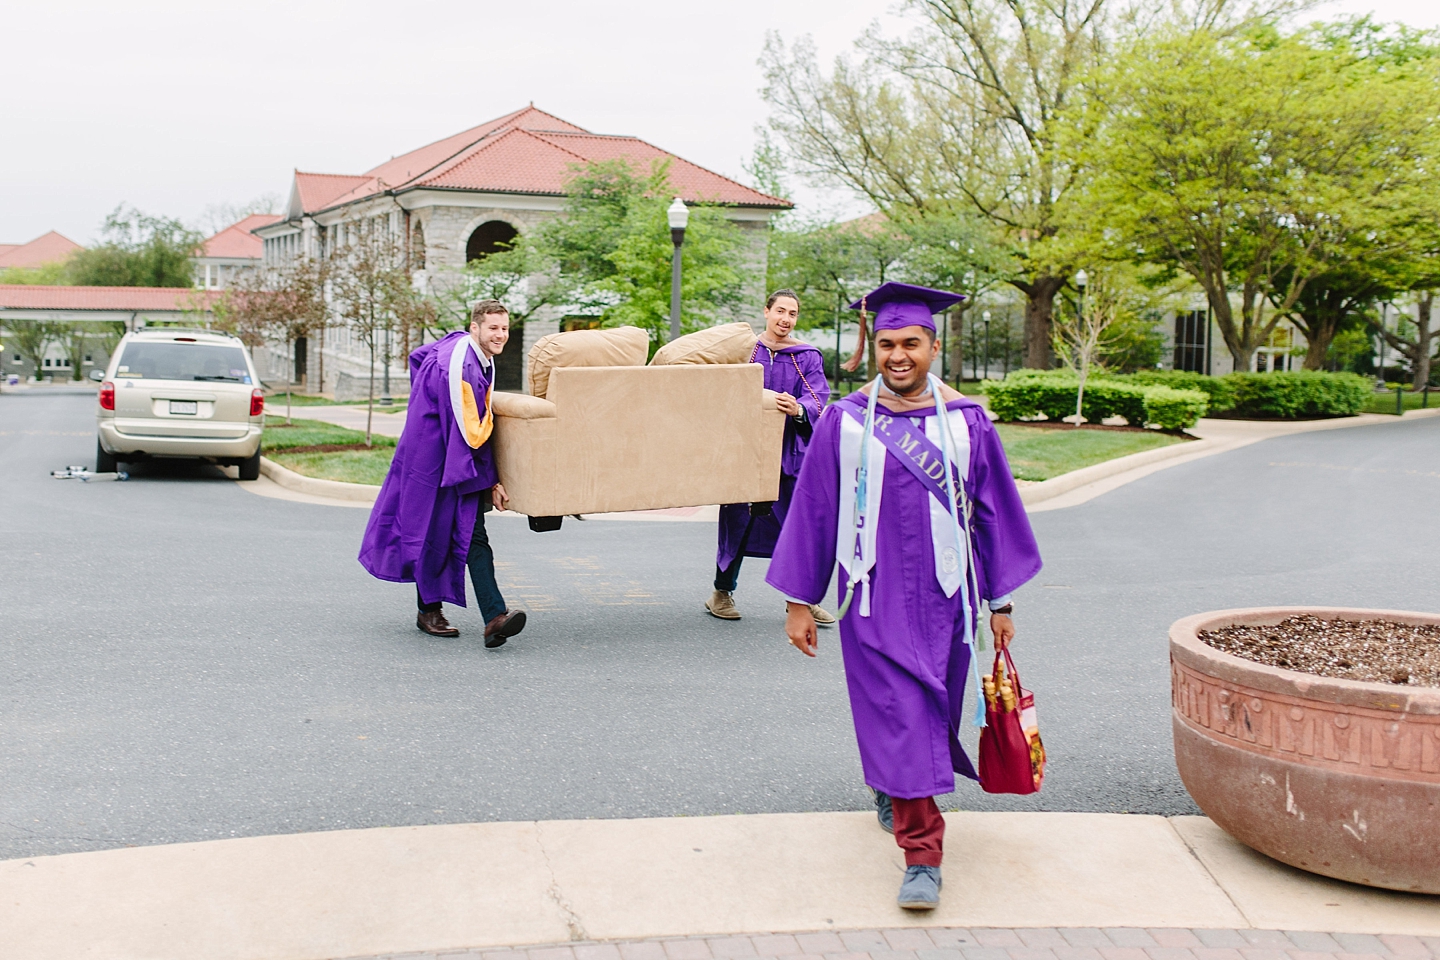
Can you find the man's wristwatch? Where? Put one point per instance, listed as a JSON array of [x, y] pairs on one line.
[[1008, 609]]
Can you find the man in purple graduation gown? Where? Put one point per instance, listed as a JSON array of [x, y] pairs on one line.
[[795, 371], [909, 573], [428, 523]]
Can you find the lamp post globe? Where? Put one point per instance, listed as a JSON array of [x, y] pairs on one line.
[[679, 217]]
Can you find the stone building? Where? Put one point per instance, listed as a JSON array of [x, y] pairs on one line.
[[231, 252], [459, 199]]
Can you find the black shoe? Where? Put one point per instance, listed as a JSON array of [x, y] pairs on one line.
[[504, 627], [884, 812]]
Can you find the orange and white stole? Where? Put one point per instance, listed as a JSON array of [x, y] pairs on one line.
[[474, 426]]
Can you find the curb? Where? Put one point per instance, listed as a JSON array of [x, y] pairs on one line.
[[334, 489], [1055, 486]]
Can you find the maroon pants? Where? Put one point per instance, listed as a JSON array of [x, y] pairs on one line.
[[919, 830]]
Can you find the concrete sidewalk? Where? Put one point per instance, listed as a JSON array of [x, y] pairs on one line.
[[484, 886]]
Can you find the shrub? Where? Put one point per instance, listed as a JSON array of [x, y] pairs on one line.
[[1027, 394], [1171, 409], [1298, 394], [1219, 391]]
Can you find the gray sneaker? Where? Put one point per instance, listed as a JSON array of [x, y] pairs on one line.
[[885, 812], [721, 604], [920, 889]]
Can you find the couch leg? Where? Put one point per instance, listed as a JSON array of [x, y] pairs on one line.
[[545, 524]]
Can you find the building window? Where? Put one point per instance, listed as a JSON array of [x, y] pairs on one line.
[[1190, 333], [87, 359]]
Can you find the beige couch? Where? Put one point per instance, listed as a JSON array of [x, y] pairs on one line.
[[639, 438]]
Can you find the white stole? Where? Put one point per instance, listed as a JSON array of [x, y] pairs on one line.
[[856, 529]]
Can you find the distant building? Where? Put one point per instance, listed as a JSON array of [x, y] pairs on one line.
[[231, 252], [461, 198], [50, 248], [103, 313]]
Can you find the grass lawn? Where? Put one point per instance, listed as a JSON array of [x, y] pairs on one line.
[[1385, 402], [1039, 453], [343, 454], [276, 401]]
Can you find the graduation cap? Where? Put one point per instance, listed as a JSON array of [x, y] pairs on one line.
[[905, 305], [899, 305]]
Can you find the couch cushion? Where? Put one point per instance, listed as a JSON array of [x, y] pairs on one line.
[[727, 343], [616, 347], [518, 406]]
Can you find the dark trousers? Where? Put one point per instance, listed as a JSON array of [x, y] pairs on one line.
[[919, 830], [729, 578], [481, 561]]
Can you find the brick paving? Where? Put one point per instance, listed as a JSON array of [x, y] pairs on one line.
[[956, 943]]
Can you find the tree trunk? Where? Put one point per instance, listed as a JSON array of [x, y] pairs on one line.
[[1317, 347], [370, 396], [1039, 312], [1423, 335]]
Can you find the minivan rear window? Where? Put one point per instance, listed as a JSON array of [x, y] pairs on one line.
[[183, 361]]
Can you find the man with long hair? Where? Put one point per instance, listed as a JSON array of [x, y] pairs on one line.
[[796, 372]]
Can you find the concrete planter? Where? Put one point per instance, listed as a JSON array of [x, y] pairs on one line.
[[1336, 777]]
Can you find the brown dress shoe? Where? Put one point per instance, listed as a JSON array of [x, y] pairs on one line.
[[504, 627], [434, 623]]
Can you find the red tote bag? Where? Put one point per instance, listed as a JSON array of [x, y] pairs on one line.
[[1012, 758]]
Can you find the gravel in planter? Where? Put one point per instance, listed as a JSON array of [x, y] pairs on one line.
[[1375, 651]]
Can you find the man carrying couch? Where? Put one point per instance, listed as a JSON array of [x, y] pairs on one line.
[[428, 523]]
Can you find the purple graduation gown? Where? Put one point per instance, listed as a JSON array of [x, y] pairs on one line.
[[420, 526], [907, 663], [783, 370]]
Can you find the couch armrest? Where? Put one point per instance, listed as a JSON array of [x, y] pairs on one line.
[[520, 406]]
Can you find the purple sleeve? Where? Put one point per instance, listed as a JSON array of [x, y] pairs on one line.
[[1005, 549], [804, 557], [812, 365]]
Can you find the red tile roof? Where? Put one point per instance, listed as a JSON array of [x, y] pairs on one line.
[[47, 249], [528, 151], [319, 190], [26, 297], [236, 241]]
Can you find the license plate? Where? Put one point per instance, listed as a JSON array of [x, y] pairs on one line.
[[184, 406]]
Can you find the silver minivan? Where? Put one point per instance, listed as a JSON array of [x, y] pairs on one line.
[[180, 393]]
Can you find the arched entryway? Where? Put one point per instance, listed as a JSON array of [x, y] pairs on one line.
[[490, 237]]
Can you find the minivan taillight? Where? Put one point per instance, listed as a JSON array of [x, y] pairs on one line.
[[107, 396], [257, 401]]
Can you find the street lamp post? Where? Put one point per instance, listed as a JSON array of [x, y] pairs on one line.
[[679, 217], [986, 317]]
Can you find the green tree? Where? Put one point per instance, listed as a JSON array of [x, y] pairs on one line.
[[47, 274], [613, 253], [1252, 163], [32, 338], [137, 250]]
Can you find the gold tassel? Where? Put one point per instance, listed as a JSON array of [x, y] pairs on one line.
[[853, 363]]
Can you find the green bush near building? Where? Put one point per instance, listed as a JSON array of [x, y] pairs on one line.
[[1175, 399], [1027, 394], [1299, 394]]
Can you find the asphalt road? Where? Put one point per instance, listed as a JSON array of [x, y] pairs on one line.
[[183, 660]]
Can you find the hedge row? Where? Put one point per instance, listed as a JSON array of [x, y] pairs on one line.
[[1027, 394], [1299, 394]]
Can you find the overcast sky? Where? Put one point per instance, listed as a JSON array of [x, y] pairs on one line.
[[175, 107]]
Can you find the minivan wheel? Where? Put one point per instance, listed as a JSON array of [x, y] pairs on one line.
[[250, 467], [104, 462]]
